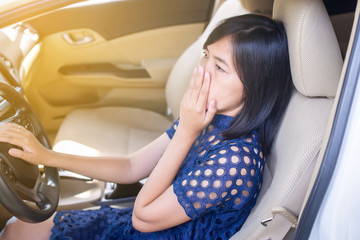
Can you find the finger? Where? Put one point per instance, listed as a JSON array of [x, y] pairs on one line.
[[198, 81], [210, 112], [27, 156], [12, 127], [12, 137], [17, 153], [204, 92], [192, 80], [7, 126], [189, 90]]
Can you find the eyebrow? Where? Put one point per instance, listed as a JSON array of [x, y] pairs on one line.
[[219, 59]]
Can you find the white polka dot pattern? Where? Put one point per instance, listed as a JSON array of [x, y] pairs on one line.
[[226, 175], [218, 174]]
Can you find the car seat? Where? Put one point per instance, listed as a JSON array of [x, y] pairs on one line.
[[316, 65]]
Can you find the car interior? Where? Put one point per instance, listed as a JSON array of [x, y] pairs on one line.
[[108, 105]]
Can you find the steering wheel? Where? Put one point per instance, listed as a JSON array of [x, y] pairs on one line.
[[26, 192]]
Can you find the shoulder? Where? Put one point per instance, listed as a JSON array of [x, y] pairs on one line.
[[246, 145]]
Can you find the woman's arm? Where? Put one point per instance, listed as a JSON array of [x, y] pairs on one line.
[[156, 206], [127, 169]]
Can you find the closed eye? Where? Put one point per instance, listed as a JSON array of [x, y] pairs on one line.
[[219, 68]]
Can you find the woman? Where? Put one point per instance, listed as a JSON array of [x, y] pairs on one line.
[[205, 172]]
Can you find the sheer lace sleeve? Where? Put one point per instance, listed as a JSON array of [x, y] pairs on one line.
[[171, 131]]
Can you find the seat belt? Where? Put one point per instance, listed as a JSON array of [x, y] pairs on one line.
[[285, 217]]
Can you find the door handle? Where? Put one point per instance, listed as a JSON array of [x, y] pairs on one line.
[[78, 37]]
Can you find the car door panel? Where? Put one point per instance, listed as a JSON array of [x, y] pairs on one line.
[[101, 55]]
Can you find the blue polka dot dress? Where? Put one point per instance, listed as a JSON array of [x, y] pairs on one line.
[[217, 185]]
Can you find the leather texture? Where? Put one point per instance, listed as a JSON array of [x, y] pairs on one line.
[[109, 131], [315, 55]]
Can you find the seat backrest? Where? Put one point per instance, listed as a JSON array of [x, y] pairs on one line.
[[316, 65], [181, 73]]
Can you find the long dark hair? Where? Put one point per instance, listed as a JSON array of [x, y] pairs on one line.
[[261, 59]]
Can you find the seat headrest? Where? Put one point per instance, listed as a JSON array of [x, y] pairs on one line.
[[315, 56], [258, 6]]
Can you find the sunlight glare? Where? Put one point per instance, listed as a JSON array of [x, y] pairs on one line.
[[72, 147]]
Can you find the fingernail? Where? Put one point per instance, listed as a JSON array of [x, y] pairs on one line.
[[195, 70], [207, 75]]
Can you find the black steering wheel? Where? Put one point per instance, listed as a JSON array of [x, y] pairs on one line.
[[27, 192]]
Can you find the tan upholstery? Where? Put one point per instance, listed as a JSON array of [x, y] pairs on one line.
[[310, 36], [294, 151], [316, 65], [109, 131]]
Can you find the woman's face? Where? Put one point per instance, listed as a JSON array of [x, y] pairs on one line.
[[226, 87]]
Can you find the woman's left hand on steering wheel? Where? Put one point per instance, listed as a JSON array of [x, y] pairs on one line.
[[30, 149]]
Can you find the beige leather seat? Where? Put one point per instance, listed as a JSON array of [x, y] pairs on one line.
[[120, 130], [316, 65]]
